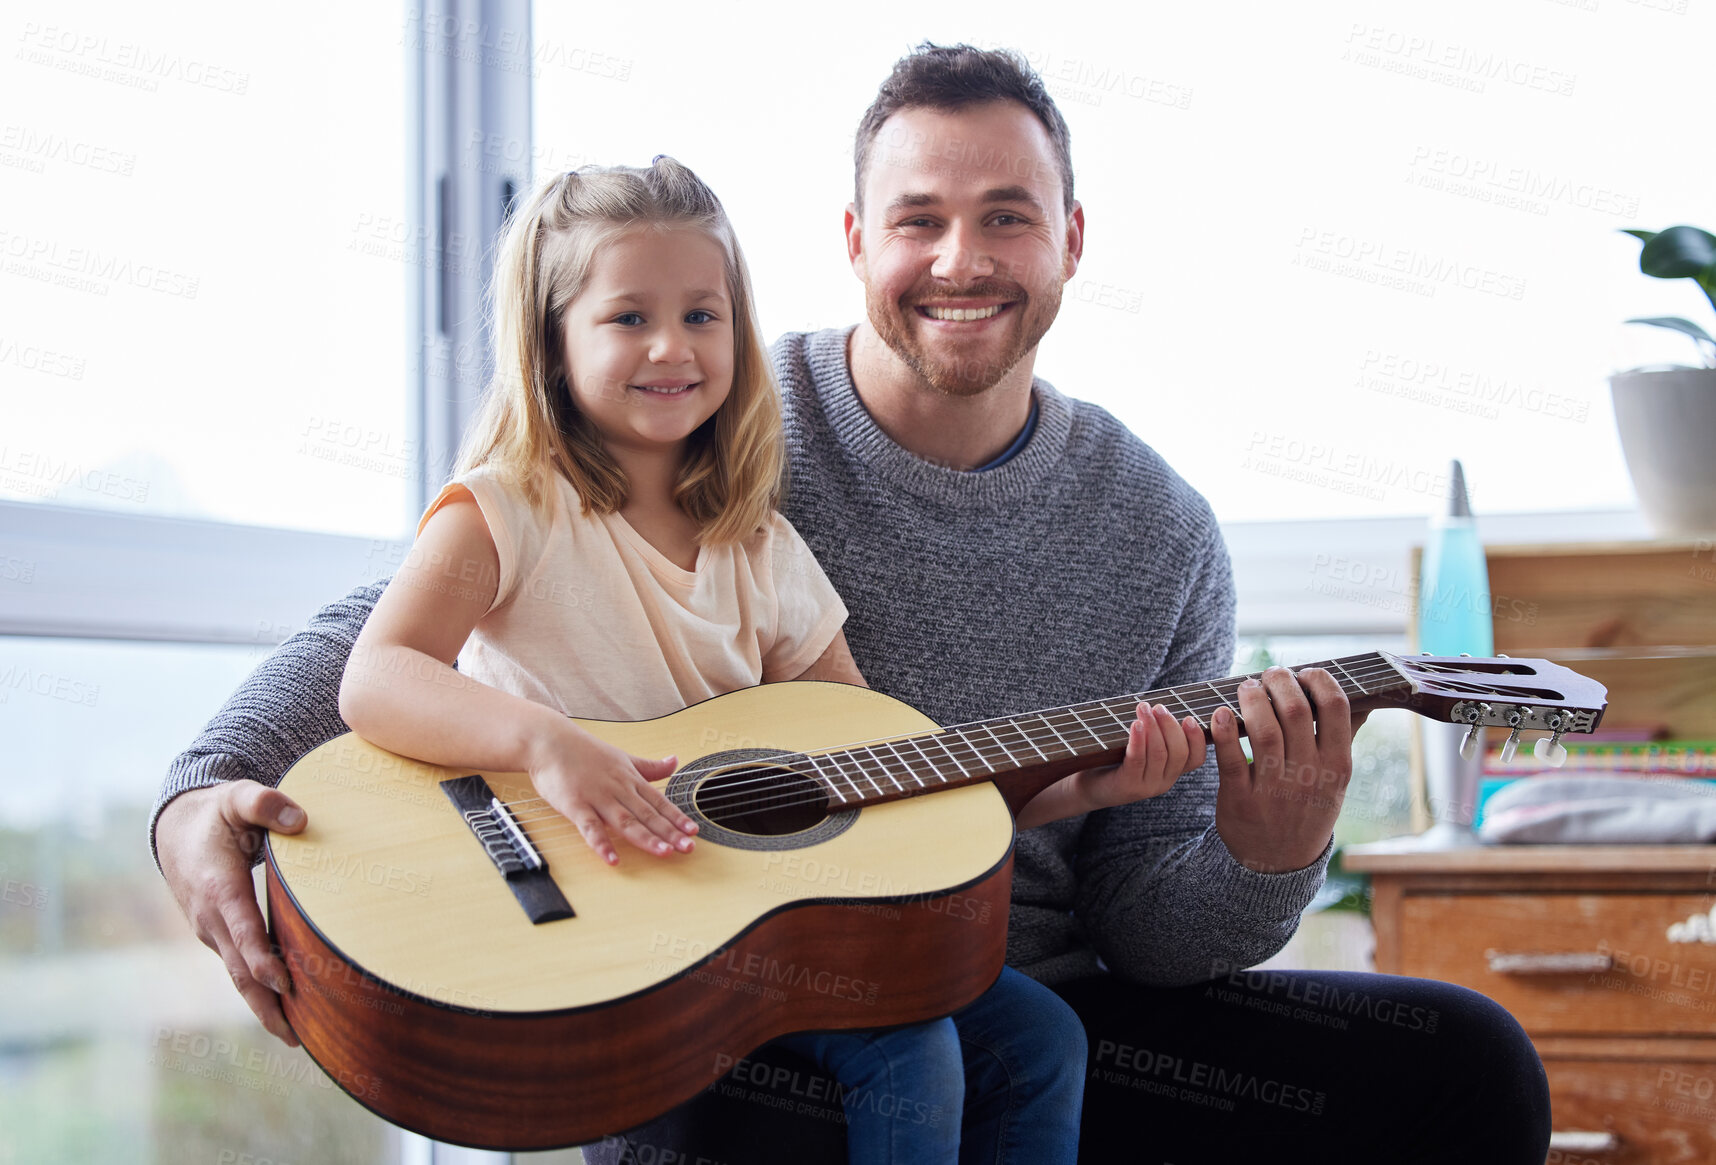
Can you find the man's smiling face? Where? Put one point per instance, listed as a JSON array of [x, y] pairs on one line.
[[964, 242]]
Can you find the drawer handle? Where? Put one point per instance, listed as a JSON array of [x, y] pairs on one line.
[[1700, 928], [1580, 1142], [1551, 963]]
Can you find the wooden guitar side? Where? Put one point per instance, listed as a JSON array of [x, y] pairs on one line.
[[421, 989]]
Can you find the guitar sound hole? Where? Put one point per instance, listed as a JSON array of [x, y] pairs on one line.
[[762, 800]]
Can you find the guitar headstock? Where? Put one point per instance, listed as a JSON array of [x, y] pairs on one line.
[[1517, 694]]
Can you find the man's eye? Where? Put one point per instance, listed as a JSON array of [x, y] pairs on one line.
[[628, 319]]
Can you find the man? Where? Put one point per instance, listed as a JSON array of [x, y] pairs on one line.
[[1002, 547]]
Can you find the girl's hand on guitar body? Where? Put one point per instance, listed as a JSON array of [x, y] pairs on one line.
[[1159, 750], [603, 790]]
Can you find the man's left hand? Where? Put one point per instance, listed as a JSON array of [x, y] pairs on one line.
[[1277, 812]]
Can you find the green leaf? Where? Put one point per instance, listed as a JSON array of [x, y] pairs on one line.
[[1686, 327], [1675, 323], [1679, 253], [1642, 236], [1707, 281]]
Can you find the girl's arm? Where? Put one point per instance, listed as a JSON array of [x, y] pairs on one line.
[[401, 692], [835, 664]]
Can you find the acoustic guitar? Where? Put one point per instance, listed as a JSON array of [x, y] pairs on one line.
[[466, 967]]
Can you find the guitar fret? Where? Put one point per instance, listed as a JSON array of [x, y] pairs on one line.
[[816, 764], [1005, 751], [936, 766], [1190, 711], [841, 759], [1032, 742], [1088, 729], [887, 769], [1336, 664], [870, 776], [1066, 744], [906, 768], [913, 770], [1222, 700], [963, 771], [983, 764]]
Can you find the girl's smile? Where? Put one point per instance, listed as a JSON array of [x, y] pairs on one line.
[[649, 342]]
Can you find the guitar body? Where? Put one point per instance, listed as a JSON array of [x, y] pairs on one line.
[[425, 990], [453, 984]]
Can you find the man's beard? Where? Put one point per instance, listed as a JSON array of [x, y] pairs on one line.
[[959, 376]]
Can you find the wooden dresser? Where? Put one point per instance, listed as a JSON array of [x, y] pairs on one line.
[[1573, 941]]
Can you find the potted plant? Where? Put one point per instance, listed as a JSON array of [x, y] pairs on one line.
[[1667, 414]]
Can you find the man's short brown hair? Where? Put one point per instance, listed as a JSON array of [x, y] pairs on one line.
[[950, 78]]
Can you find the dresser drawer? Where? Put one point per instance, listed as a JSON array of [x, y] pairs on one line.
[[1649, 1111], [1567, 964]]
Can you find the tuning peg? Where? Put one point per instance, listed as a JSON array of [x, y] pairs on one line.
[[1510, 746], [1550, 751], [1469, 746]]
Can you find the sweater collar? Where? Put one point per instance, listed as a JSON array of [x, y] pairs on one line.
[[1018, 479]]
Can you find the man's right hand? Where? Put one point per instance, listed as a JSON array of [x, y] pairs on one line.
[[206, 839]]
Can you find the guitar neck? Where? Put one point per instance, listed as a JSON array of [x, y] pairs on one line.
[[1024, 754]]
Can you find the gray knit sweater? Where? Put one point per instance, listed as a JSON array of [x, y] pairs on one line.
[[1080, 569]]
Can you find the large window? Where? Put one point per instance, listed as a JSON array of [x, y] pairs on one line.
[[203, 263], [121, 1039], [1329, 248]]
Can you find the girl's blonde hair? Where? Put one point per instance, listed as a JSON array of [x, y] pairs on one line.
[[529, 426]]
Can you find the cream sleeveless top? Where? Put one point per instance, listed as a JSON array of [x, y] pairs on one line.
[[592, 620]]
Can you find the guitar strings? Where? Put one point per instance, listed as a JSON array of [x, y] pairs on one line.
[[1368, 666], [735, 797], [741, 795], [733, 794], [1374, 667]]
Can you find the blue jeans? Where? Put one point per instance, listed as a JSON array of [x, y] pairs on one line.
[[1000, 1082]]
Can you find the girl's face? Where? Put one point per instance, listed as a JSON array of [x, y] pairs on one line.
[[649, 342]]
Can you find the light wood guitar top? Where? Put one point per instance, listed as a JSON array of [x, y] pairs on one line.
[[394, 879]]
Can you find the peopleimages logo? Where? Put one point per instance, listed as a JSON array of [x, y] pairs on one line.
[[88, 268], [1193, 1081], [1489, 180], [1403, 268], [123, 62], [1450, 63], [767, 973]]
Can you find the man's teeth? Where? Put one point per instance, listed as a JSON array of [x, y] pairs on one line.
[[960, 313]]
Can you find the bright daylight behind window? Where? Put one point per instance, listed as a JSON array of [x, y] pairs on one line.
[[1327, 248], [202, 299]]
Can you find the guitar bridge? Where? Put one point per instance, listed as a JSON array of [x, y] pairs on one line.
[[511, 851]]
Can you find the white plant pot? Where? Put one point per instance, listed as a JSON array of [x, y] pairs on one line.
[[1667, 421]]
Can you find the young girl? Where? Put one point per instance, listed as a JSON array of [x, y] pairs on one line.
[[609, 548]]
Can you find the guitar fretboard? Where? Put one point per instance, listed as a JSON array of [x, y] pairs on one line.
[[1093, 732]]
